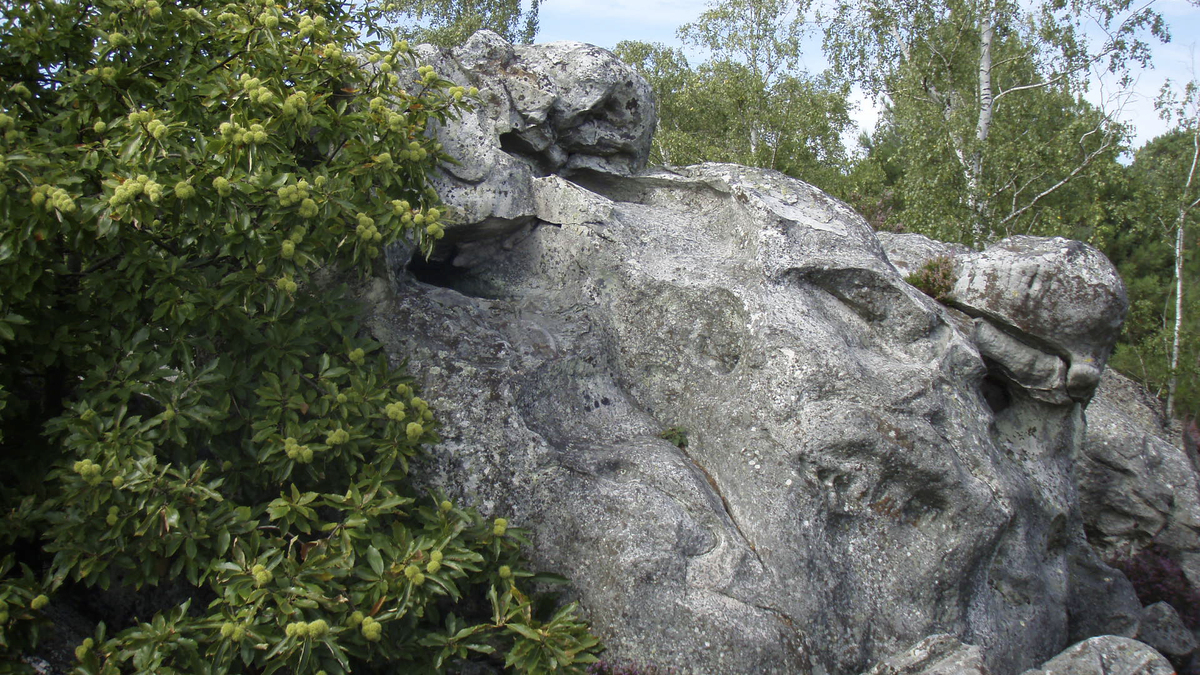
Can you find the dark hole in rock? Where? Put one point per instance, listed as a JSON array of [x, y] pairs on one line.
[[438, 270], [995, 392], [512, 143]]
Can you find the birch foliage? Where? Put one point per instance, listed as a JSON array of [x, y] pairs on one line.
[[987, 97]]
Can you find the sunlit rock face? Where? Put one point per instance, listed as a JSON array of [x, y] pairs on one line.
[[550, 108], [1047, 311], [856, 474]]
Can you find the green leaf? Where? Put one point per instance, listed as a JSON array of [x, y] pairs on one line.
[[525, 631], [375, 560]]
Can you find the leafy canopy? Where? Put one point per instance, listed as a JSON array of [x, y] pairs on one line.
[[448, 23], [188, 408], [748, 103], [986, 99]]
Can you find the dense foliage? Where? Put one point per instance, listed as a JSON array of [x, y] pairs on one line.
[[986, 99], [447, 23], [748, 103], [935, 278], [1148, 219], [190, 413]]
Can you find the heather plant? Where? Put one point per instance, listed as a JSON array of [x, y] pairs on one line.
[[186, 398], [1157, 578], [935, 278]]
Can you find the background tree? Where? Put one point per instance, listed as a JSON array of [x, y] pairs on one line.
[[450, 22], [1057, 153], [763, 38], [986, 97], [1181, 195], [748, 103], [192, 417], [1148, 240]]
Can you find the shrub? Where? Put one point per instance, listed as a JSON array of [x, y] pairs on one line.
[[1157, 578], [186, 398], [676, 436], [935, 278]]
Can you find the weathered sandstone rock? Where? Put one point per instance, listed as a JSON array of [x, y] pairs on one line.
[[935, 655], [1162, 629], [1136, 486], [1106, 654], [1059, 296], [1047, 311], [864, 467], [549, 108], [846, 489]]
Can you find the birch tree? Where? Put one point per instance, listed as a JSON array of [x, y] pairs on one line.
[[1184, 107], [958, 71], [748, 102]]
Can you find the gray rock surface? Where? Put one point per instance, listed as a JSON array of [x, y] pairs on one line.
[[1096, 586], [1107, 654], [1136, 486], [910, 251], [1046, 311], [1162, 629], [847, 490], [935, 655], [864, 467], [548, 108], [1055, 295]]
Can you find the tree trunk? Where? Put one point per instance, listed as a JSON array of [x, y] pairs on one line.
[[1174, 381], [983, 126], [1180, 222]]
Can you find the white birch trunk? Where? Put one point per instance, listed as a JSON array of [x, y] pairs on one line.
[[1181, 221], [983, 125], [1173, 383]]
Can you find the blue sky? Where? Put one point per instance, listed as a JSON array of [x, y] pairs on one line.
[[606, 22]]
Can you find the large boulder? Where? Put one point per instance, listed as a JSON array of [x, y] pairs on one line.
[[1109, 655], [1105, 655], [549, 108], [1042, 296], [1162, 629], [1137, 485], [1047, 311], [720, 408], [845, 488]]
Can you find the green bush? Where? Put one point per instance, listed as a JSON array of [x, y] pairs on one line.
[[186, 399], [935, 278]]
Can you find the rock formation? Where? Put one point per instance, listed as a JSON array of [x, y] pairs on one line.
[[853, 466], [1106, 654], [1136, 486]]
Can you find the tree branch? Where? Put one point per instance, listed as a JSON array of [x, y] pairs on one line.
[[1087, 160]]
